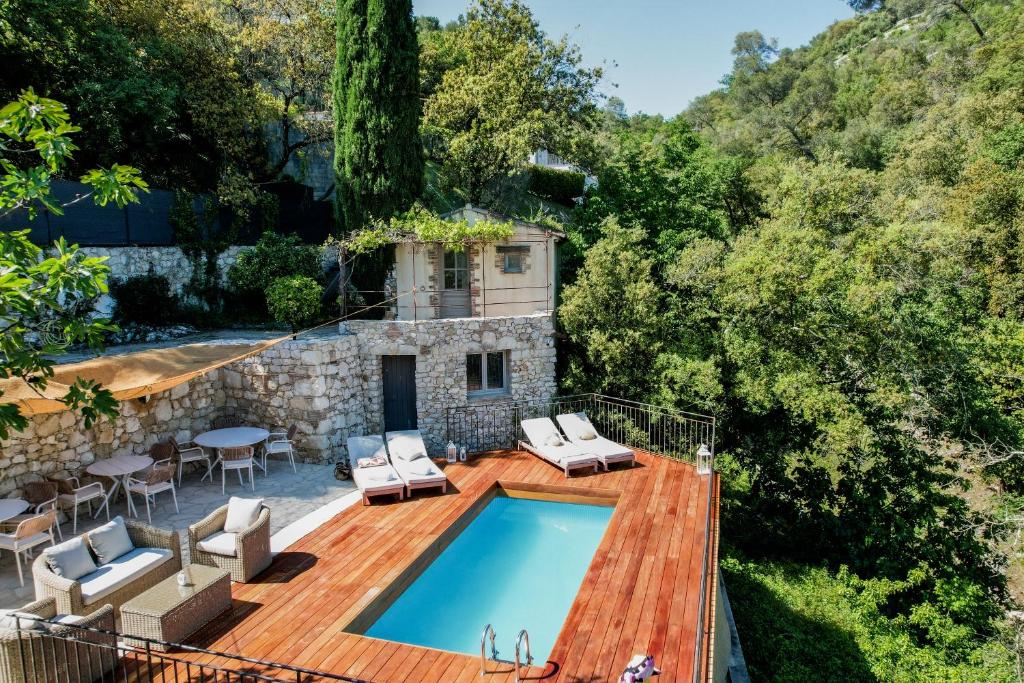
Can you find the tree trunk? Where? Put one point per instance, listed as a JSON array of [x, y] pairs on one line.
[[970, 17]]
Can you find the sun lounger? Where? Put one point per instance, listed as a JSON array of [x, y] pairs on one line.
[[377, 480], [545, 441], [409, 457], [581, 432]]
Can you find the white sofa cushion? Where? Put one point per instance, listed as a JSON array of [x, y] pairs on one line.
[[242, 513], [70, 559], [121, 572], [110, 541], [9, 619], [223, 543]]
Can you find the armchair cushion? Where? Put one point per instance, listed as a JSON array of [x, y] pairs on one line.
[[224, 543], [242, 513], [29, 622], [120, 572], [110, 541], [70, 559]]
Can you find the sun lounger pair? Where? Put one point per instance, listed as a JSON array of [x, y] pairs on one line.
[[580, 448], [403, 465]]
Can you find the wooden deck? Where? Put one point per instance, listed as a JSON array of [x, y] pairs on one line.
[[640, 595]]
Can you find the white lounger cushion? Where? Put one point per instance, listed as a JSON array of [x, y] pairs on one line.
[[577, 427], [374, 478], [421, 471], [539, 429], [406, 445], [222, 543], [120, 572]]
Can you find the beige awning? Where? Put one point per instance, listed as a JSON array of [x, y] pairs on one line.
[[129, 375]]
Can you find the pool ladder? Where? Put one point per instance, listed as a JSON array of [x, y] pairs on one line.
[[520, 639]]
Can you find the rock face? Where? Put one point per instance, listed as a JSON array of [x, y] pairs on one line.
[[329, 387]]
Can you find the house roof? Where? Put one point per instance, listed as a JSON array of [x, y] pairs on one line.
[[502, 217]]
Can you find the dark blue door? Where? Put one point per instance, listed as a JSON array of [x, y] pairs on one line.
[[399, 375]]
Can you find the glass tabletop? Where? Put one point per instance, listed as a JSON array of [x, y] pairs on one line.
[[169, 594]]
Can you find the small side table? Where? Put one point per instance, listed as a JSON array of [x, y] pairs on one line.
[[170, 612]]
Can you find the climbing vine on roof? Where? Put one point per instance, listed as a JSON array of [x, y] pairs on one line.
[[420, 225]]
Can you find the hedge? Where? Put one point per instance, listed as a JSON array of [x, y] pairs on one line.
[[558, 186]]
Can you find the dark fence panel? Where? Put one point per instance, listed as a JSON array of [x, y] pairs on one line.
[[147, 223]]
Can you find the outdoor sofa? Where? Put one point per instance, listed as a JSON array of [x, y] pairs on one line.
[[154, 555]]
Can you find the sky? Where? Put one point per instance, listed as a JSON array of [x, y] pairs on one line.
[[662, 53]]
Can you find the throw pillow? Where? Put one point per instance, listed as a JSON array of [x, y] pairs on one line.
[[70, 559], [242, 513], [110, 541], [554, 440], [10, 619], [588, 434], [375, 461]]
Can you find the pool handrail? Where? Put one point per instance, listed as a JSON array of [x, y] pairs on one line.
[[529, 657], [483, 643]]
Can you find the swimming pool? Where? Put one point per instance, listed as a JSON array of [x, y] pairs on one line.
[[518, 564]]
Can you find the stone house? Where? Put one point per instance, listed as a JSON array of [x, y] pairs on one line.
[[515, 276]]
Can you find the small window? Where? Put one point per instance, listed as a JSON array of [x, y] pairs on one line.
[[456, 270], [487, 373], [513, 262]]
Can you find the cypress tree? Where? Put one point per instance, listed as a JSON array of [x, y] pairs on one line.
[[378, 159]]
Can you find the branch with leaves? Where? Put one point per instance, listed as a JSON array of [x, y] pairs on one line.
[[46, 299]]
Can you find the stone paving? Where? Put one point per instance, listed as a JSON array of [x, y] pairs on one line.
[[290, 496]]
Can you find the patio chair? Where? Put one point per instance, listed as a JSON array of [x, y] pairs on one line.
[[41, 496], [375, 480], [409, 457], [27, 535], [238, 459], [545, 441], [244, 553], [71, 494], [188, 453], [28, 655], [578, 428], [225, 421], [157, 480], [281, 442]]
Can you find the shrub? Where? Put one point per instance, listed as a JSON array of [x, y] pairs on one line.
[[145, 300], [274, 256], [558, 186], [294, 300]]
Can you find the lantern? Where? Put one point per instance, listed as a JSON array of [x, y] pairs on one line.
[[452, 451], [704, 459]]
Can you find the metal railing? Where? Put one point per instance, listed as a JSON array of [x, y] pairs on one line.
[[497, 426], [80, 654]]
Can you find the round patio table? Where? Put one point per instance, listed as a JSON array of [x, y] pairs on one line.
[[232, 437], [117, 469], [11, 507]]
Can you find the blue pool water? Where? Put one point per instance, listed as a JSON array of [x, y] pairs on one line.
[[518, 564]]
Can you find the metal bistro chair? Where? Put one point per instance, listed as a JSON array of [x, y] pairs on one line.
[[238, 459], [281, 442], [41, 496], [28, 534], [71, 494], [225, 422], [157, 480], [188, 454]]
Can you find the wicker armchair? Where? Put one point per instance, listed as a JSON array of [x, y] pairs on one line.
[[252, 554], [33, 656], [68, 593]]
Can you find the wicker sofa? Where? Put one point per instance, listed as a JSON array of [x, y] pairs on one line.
[[69, 594], [252, 546], [42, 656]]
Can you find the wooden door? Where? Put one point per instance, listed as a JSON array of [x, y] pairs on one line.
[[399, 378]]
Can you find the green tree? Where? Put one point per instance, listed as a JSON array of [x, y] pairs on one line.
[[46, 298], [378, 154], [508, 90], [294, 300]]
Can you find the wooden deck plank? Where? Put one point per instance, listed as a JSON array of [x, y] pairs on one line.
[[640, 593]]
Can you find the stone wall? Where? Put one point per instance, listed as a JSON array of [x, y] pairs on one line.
[[59, 445], [440, 347], [170, 262], [314, 383], [330, 387]]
